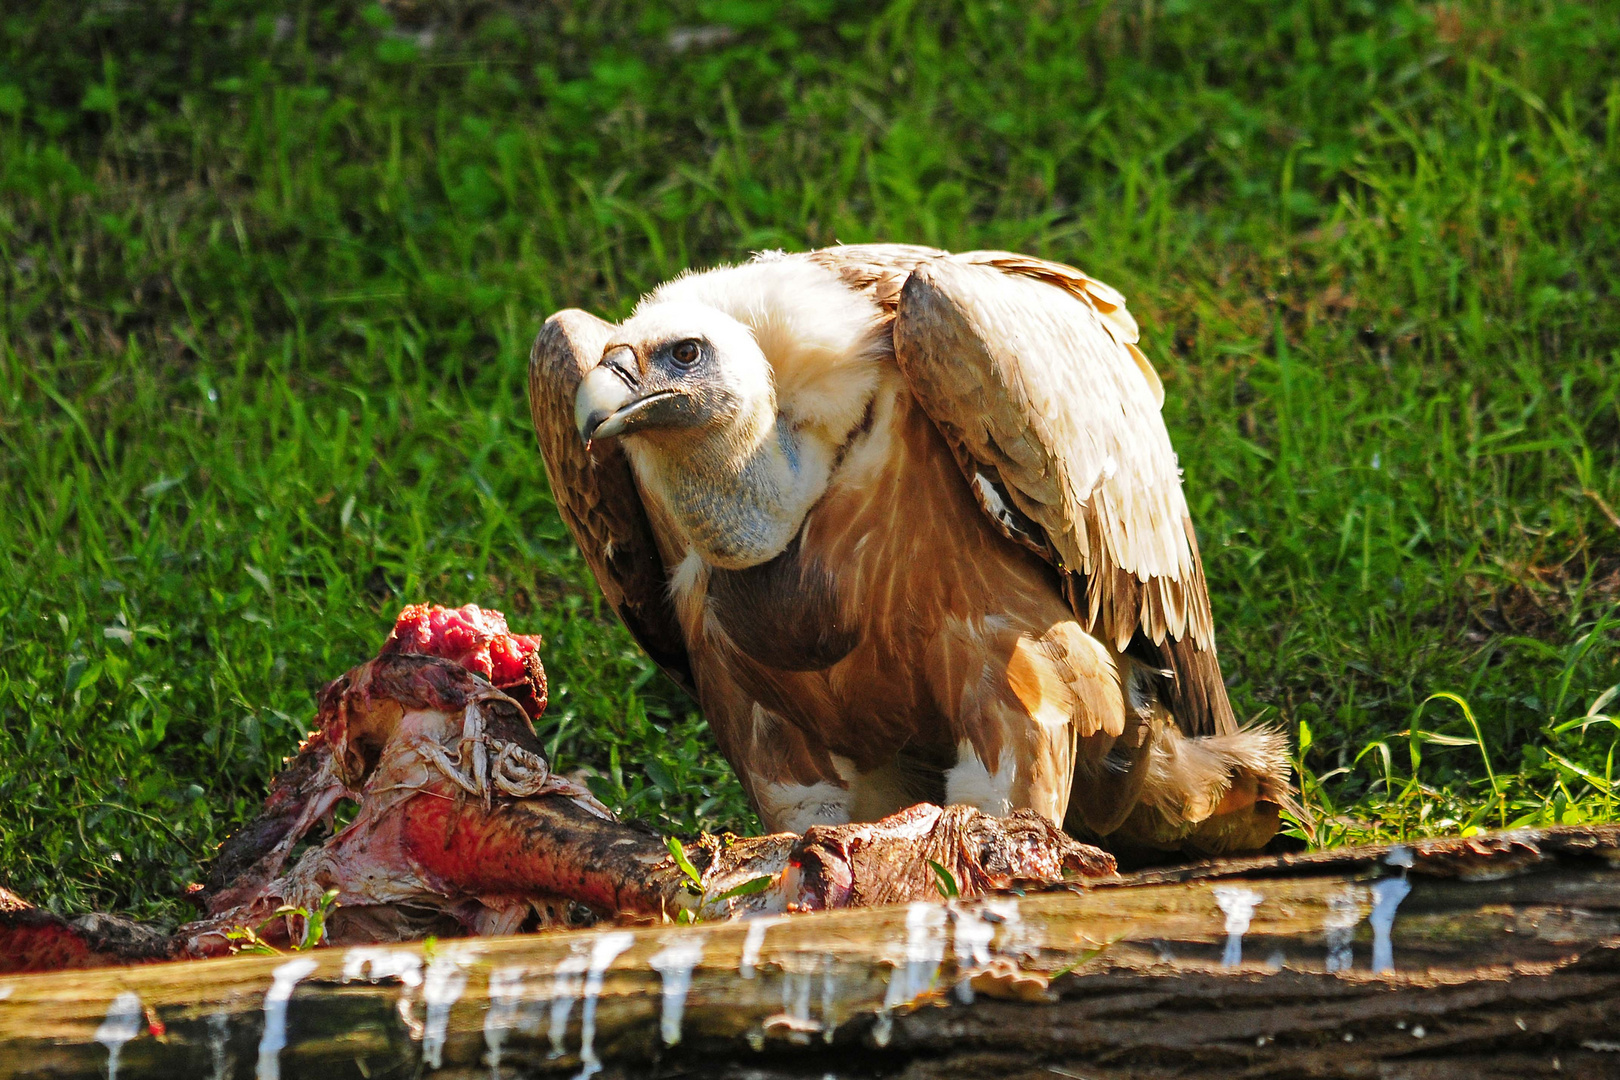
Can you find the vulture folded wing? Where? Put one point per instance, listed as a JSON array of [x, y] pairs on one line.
[[596, 492], [1031, 372]]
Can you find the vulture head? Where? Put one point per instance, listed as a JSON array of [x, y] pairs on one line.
[[694, 394], [678, 375]]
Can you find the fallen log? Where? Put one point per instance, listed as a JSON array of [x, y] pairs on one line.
[[1496, 956]]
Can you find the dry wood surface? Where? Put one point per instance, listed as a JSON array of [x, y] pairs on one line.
[[1495, 956]]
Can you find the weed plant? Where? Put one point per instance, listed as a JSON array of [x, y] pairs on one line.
[[271, 270]]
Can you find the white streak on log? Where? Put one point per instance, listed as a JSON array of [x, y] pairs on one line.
[[219, 1034], [604, 952], [565, 986], [974, 933], [1238, 905], [442, 987], [377, 962], [1387, 896], [796, 1005], [675, 964], [829, 1001], [1014, 934], [506, 986], [122, 1023], [1344, 911], [383, 963], [282, 981], [921, 955], [753, 943]]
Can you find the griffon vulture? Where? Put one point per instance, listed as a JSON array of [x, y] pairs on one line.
[[909, 526]]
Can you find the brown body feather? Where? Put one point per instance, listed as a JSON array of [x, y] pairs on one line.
[[934, 614]]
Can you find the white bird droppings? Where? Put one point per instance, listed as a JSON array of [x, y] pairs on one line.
[[121, 1024], [219, 1031], [604, 952], [921, 955], [1238, 904], [442, 986], [1387, 896], [1344, 911], [506, 986], [753, 943], [565, 986], [829, 1001], [974, 933], [282, 981], [383, 964], [1004, 914], [675, 964], [796, 1004]]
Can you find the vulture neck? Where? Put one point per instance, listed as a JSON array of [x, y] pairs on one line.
[[739, 496]]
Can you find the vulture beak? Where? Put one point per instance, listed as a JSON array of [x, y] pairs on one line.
[[610, 401]]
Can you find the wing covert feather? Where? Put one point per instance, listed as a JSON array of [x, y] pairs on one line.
[[596, 492], [1030, 368]]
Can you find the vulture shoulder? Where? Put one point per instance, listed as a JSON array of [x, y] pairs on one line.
[[1031, 372]]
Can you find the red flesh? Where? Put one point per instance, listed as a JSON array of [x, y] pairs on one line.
[[466, 850], [478, 639]]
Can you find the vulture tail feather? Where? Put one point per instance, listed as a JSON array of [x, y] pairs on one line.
[[1209, 795]]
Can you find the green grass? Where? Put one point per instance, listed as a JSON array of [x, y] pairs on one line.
[[270, 273]]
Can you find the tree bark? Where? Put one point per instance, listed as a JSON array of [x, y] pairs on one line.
[[1492, 957]]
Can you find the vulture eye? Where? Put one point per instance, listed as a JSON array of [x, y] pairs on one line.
[[685, 353]]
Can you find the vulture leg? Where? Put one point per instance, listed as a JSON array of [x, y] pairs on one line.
[[790, 777], [1021, 697], [791, 780]]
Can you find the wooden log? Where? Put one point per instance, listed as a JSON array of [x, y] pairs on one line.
[[1492, 957]]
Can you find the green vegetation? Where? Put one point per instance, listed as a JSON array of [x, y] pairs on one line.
[[270, 274], [311, 928]]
